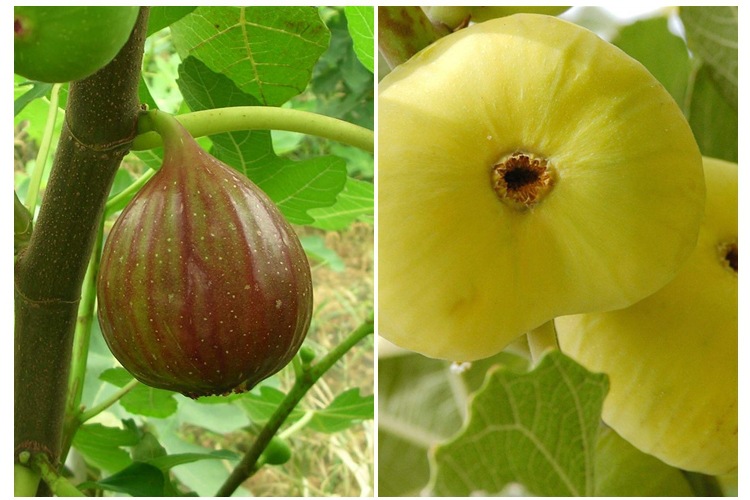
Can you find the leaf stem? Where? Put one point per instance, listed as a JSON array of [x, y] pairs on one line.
[[216, 121], [302, 384], [81, 341], [41, 157], [114, 398], [121, 199]]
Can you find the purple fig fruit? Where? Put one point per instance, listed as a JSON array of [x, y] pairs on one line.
[[204, 287]]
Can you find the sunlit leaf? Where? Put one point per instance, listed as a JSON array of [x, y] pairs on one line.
[[361, 21], [268, 52]]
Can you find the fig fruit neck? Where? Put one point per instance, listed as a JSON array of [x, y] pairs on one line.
[[177, 140], [521, 180]]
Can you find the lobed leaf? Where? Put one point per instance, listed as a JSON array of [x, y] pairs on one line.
[[538, 429], [268, 52]]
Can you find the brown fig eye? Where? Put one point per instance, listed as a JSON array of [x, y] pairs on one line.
[[204, 287]]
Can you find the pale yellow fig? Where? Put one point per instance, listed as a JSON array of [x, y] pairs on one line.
[[527, 169], [453, 17], [672, 358]]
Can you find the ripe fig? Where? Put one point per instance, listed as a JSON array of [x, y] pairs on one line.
[[61, 44], [204, 287], [527, 169], [453, 17], [672, 357]]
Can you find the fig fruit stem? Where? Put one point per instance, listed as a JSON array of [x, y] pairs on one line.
[[41, 157], [310, 375], [542, 339], [220, 120], [404, 31]]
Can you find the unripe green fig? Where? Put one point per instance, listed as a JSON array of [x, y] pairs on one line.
[[527, 169], [277, 452], [204, 287], [61, 44], [672, 357]]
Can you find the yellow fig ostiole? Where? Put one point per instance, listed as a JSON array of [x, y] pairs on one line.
[[672, 358], [527, 169]]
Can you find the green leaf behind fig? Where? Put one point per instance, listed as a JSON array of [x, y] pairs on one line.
[[538, 429], [295, 187], [161, 17], [624, 471], [247, 43], [361, 22], [714, 122], [102, 446], [355, 202], [142, 400], [670, 64], [712, 35], [347, 409]]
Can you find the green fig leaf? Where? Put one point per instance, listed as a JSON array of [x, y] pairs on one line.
[[166, 462], [316, 249], [295, 186], [347, 409], [361, 22], [138, 480], [670, 64], [422, 402], [35, 91], [538, 429], [261, 402], [161, 17], [417, 408], [624, 471], [246, 44], [142, 399], [712, 34], [715, 123], [355, 202], [101, 445]]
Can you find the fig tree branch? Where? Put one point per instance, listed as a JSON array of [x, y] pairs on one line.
[[310, 374], [100, 124]]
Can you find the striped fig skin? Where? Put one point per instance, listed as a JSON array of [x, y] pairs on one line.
[[204, 287]]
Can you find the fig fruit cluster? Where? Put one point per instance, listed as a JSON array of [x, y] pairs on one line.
[[204, 287], [531, 172], [62, 44], [527, 169]]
